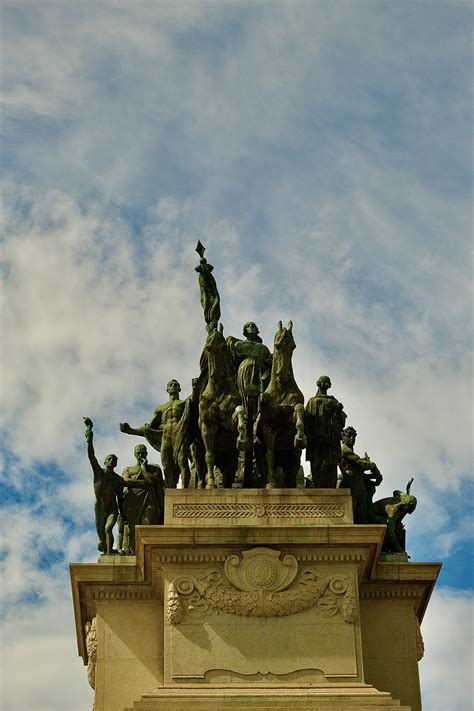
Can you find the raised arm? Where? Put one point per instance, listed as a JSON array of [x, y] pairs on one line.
[[90, 446]]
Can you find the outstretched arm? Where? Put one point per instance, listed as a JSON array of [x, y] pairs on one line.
[[125, 427], [140, 431]]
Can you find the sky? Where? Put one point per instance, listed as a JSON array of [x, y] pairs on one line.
[[321, 151]]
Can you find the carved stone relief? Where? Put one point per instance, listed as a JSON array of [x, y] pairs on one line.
[[420, 645], [259, 584], [237, 510], [91, 646], [261, 569]]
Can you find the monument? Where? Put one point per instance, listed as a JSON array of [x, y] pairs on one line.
[[230, 587]]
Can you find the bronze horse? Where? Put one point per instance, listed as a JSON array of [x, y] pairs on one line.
[[221, 414], [281, 420]]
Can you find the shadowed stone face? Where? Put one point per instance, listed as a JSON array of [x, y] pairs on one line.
[[173, 387], [140, 452], [250, 330]]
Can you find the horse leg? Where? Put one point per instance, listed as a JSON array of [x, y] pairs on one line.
[[292, 468], [300, 438], [197, 454], [270, 436], [228, 468], [183, 464], [260, 464], [239, 418], [208, 439]]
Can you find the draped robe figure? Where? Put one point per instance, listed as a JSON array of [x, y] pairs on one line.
[[324, 422], [143, 499]]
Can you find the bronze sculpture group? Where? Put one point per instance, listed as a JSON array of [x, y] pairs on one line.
[[246, 424]]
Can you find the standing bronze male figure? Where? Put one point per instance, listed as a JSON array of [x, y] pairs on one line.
[[324, 422]]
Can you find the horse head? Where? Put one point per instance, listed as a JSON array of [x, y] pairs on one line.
[[215, 340], [216, 349], [284, 340]]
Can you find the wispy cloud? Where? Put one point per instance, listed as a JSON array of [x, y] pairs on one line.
[[448, 625], [321, 151]]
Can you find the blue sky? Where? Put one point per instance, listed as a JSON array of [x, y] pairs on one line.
[[322, 153]]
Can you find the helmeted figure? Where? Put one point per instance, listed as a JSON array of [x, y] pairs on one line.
[[254, 365], [324, 422], [253, 362]]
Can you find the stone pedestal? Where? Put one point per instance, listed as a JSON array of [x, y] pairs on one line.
[[253, 599]]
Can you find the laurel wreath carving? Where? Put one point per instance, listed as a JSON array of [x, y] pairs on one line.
[[219, 511]]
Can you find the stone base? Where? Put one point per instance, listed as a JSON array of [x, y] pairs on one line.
[[265, 599], [259, 507], [348, 697]]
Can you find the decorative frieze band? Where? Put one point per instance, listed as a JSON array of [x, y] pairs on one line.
[[243, 511], [398, 591], [114, 594], [190, 558], [330, 557], [220, 557]]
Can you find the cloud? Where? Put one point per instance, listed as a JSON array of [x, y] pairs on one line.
[[101, 318], [320, 151], [41, 669], [84, 315], [447, 632], [230, 96]]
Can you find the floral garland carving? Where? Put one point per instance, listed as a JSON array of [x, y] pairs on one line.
[[420, 645], [91, 646], [331, 594], [174, 611]]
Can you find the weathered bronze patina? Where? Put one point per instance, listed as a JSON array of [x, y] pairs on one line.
[[108, 490], [361, 476], [324, 422], [169, 433], [143, 500], [244, 425], [391, 511]]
